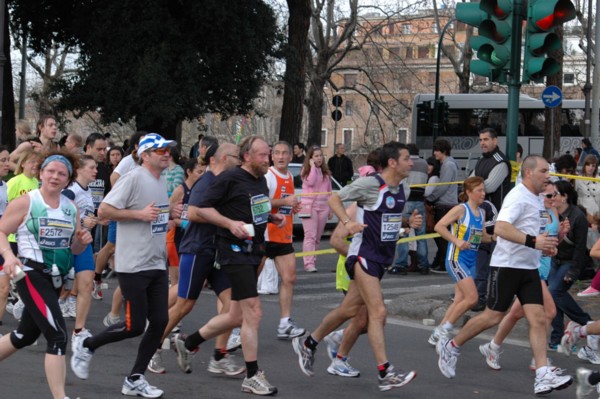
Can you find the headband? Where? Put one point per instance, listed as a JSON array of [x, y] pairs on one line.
[[59, 158]]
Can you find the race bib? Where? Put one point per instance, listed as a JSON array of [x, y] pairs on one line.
[[260, 205], [160, 224], [285, 210], [475, 236], [97, 190], [184, 212], [544, 215], [390, 226], [54, 233]]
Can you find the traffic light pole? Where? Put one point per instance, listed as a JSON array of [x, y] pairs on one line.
[[436, 103], [514, 82]]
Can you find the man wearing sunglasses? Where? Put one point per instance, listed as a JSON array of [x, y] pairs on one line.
[[140, 205]]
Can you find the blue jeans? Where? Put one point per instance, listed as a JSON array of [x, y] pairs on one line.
[[402, 249], [565, 304]]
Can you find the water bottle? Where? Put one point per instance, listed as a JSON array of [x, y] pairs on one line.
[[69, 279], [18, 274], [57, 280]]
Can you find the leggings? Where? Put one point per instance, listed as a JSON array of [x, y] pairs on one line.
[[145, 297], [41, 315]]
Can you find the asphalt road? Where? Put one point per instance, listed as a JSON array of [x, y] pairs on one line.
[[23, 374]]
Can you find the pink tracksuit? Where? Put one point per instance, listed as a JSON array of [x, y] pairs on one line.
[[314, 226]]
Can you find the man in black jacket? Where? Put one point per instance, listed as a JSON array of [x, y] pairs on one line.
[[340, 165]]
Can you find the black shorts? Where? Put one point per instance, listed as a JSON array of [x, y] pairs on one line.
[[243, 279], [275, 249], [505, 282]]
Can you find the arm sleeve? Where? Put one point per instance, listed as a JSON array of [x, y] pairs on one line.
[[496, 177], [579, 238]]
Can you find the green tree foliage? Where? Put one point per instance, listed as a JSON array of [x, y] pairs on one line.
[[162, 61]]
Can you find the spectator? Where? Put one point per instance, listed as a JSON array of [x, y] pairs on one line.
[[416, 200], [587, 149], [194, 150], [314, 210], [444, 197], [340, 165], [115, 154], [588, 191], [74, 143], [22, 130], [299, 154]]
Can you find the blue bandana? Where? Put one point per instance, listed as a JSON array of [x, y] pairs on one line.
[[59, 158]]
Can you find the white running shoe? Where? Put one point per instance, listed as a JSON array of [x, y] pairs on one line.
[[18, 309], [584, 388], [184, 356], [586, 353], [492, 357], [75, 338], [140, 387], [550, 381], [333, 340], [225, 366], [72, 306], [9, 307], [156, 363], [80, 360], [306, 356], [110, 320], [258, 385], [97, 290], [235, 341], [342, 368], [290, 330], [447, 358], [570, 338], [532, 363], [438, 333]]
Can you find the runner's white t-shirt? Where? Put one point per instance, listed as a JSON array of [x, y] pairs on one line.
[[525, 211]]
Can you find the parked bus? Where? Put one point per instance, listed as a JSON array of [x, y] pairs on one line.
[[469, 113]]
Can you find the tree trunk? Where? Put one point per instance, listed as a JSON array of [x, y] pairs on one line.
[[315, 111], [295, 71], [8, 101]]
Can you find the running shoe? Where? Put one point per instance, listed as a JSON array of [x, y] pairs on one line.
[[395, 379], [97, 290], [81, 335], [588, 292], [447, 358], [235, 341], [80, 360], [306, 356], [342, 368], [156, 363], [258, 385], [550, 381], [584, 388], [570, 338], [290, 330], [225, 366], [18, 309], [492, 357], [110, 320], [71, 306], [140, 387], [593, 341], [184, 356], [438, 333], [586, 353], [9, 307], [333, 341]]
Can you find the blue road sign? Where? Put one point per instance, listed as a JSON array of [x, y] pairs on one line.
[[552, 96]]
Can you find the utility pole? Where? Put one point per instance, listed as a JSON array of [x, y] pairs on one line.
[[595, 86], [23, 84], [587, 88]]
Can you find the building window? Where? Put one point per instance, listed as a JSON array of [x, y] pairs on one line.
[[423, 52], [350, 79], [409, 53], [347, 136], [569, 78], [348, 107], [391, 29], [406, 29], [323, 137]]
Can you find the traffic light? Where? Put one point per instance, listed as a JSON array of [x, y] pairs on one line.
[[493, 19], [543, 19]]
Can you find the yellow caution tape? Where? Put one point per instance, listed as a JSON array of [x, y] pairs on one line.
[[333, 251], [575, 177]]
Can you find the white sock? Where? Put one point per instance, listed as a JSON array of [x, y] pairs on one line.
[[494, 346], [284, 321], [447, 326], [541, 371]]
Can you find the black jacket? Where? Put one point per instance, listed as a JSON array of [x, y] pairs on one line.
[[573, 248], [341, 168]]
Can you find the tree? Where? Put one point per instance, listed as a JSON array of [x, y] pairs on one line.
[[160, 61], [296, 55]]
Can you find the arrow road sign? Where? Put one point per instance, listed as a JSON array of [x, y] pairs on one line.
[[552, 96]]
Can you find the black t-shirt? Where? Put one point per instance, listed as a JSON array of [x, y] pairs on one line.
[[235, 194], [199, 237], [101, 186]]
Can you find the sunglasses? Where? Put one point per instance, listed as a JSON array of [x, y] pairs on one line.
[[552, 195], [162, 151]]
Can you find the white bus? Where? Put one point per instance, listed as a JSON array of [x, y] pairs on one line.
[[469, 113]]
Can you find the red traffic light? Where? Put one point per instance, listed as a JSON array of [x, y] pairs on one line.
[[546, 14]]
